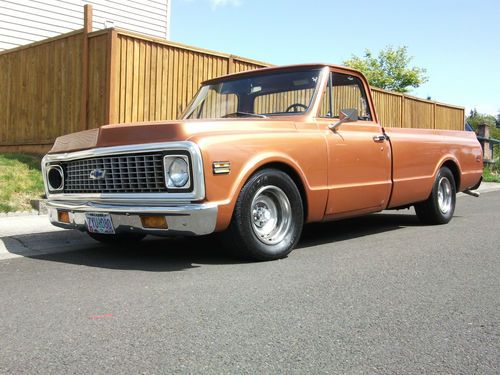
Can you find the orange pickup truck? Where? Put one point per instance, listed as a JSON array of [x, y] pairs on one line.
[[255, 156]]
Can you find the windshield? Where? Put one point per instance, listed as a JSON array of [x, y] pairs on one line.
[[269, 94]]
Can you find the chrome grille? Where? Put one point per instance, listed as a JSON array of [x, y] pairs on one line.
[[134, 173]]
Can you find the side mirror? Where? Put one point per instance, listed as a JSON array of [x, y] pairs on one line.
[[346, 115]]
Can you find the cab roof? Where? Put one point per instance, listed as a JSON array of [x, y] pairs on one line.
[[283, 68]]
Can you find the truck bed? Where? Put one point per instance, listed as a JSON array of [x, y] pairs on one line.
[[418, 153]]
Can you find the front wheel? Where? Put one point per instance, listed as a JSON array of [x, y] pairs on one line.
[[440, 206], [267, 219]]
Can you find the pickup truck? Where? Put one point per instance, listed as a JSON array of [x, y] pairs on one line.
[[255, 156]]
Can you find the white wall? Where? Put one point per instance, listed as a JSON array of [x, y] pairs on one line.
[[27, 21]]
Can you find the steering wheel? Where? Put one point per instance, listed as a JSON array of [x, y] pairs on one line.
[[295, 107]]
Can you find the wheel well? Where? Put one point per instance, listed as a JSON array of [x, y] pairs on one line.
[[294, 176], [453, 167]]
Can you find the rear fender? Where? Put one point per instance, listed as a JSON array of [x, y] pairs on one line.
[[442, 162]]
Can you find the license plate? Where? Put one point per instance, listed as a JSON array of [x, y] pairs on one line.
[[99, 223]]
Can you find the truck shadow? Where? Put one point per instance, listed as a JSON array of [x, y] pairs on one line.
[[347, 229], [177, 254], [151, 255]]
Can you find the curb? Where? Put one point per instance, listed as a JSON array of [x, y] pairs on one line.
[[20, 213], [39, 208]]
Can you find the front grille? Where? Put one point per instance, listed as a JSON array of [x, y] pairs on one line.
[[134, 173]]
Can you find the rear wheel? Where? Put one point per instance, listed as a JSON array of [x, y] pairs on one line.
[[117, 239], [440, 206], [268, 217]]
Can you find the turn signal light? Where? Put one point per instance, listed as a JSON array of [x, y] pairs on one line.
[[156, 222], [63, 216]]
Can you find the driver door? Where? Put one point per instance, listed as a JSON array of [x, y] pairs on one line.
[[359, 155]]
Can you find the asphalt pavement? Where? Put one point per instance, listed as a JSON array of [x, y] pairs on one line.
[[380, 294]]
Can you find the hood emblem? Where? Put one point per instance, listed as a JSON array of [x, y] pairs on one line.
[[97, 174]]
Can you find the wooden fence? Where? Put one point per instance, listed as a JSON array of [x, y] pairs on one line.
[[41, 91], [82, 80], [399, 110], [152, 79]]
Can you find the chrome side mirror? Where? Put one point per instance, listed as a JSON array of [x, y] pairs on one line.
[[346, 115]]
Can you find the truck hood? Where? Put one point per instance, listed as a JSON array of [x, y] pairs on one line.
[[165, 131]]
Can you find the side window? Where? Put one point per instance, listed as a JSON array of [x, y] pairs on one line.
[[324, 109], [348, 92]]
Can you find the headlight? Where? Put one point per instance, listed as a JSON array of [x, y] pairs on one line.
[[55, 178], [177, 174]]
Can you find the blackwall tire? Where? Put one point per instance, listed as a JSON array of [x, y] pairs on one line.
[[268, 217], [440, 206]]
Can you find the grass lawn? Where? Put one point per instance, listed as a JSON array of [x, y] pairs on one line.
[[491, 174], [20, 181]]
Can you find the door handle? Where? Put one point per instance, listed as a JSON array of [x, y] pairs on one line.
[[379, 138]]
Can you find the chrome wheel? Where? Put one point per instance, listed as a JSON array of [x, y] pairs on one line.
[[267, 219], [439, 207], [444, 195], [271, 215]]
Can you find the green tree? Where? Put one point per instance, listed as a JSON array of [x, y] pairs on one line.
[[389, 70], [475, 118]]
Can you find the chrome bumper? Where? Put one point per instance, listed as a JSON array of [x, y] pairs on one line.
[[186, 220]]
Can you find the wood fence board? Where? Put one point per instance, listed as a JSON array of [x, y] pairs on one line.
[[97, 79], [38, 89]]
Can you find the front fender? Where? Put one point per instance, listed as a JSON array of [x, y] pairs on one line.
[[249, 156]]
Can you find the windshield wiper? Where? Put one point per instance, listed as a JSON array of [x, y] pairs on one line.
[[235, 114]]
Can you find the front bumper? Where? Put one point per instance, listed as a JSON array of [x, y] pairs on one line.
[[187, 219]]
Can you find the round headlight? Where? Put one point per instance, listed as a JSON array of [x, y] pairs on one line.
[[55, 178], [178, 173]]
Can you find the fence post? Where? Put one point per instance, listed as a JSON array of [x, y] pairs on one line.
[[111, 61], [483, 130], [87, 28]]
